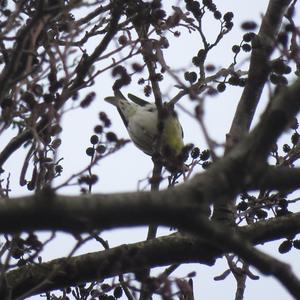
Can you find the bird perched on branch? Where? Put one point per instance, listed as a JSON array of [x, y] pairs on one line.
[[151, 132]]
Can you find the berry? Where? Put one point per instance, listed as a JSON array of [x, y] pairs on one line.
[[285, 247]]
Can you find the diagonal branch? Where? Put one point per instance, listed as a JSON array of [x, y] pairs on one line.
[[257, 76], [230, 241], [273, 122], [258, 70], [82, 72]]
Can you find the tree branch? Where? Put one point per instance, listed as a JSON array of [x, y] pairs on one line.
[[273, 122], [231, 241], [225, 178], [158, 252], [272, 229], [278, 178], [258, 70], [100, 265], [82, 71], [257, 76]]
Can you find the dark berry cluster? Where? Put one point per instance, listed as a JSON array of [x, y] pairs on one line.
[[201, 157], [124, 77]]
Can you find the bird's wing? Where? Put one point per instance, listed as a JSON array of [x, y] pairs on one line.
[[137, 100], [182, 133], [142, 128]]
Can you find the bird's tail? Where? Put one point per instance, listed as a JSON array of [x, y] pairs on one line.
[[114, 100]]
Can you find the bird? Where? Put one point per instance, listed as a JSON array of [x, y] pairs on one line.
[[150, 133]]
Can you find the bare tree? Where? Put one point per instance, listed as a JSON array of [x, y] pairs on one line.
[[238, 200]]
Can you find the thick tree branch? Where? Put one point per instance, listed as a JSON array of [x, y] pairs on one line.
[[251, 153], [272, 229], [278, 178], [159, 252], [273, 122], [257, 76], [105, 264], [228, 240], [84, 213], [226, 178], [258, 70]]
